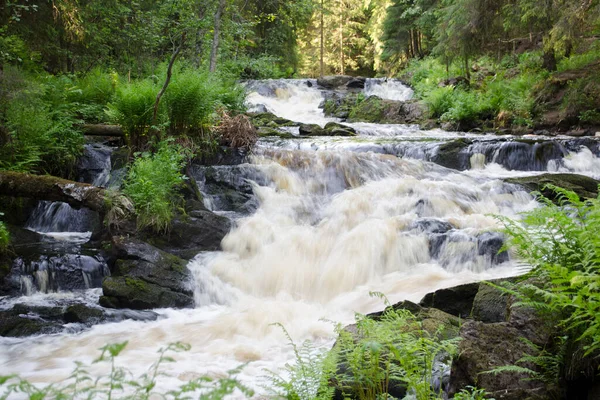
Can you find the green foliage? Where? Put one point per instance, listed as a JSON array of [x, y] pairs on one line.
[[262, 67], [91, 94], [152, 185], [472, 393], [307, 378], [396, 347], [560, 243], [42, 137], [4, 236], [133, 108], [121, 384]]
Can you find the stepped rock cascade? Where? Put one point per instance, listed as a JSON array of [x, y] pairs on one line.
[[57, 262], [319, 222]]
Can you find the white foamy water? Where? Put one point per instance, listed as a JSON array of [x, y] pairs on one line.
[[335, 221], [387, 88]]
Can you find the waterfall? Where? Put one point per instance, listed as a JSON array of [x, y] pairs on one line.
[[319, 223]]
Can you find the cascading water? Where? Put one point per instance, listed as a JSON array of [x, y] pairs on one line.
[[334, 218]]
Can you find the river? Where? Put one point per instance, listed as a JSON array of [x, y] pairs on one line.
[[336, 218]]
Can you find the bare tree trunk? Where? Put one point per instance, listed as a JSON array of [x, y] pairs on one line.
[[342, 36], [215, 43], [322, 39], [168, 80]]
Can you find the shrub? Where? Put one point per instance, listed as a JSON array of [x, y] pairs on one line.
[[439, 101], [91, 94], [4, 236], [133, 109], [152, 185], [41, 138], [560, 243], [264, 67], [396, 347]]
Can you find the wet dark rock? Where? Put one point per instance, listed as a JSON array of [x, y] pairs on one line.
[[356, 83], [270, 120], [451, 155], [14, 323], [16, 210], [312, 130], [584, 186], [490, 305], [266, 132], [145, 277], [484, 347], [457, 301], [431, 225], [489, 244], [188, 236], [333, 82], [224, 156], [81, 313], [335, 129]]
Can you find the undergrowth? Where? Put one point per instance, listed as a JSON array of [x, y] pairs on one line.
[[152, 184], [4, 236], [560, 242]]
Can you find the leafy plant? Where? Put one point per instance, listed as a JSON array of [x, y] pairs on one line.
[[472, 393], [396, 348], [152, 185], [559, 242], [307, 378], [4, 236]]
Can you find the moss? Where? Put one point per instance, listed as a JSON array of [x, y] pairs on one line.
[[136, 284], [370, 110]]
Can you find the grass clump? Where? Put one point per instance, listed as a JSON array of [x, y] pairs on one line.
[[152, 185]]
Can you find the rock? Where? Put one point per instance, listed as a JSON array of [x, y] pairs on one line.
[[455, 81], [266, 132], [312, 130], [489, 245], [260, 108], [414, 111], [450, 155], [484, 347], [121, 292], [80, 313], [224, 156], [335, 129], [333, 82], [457, 301], [145, 277], [203, 230], [16, 324], [357, 83], [490, 305], [584, 186]]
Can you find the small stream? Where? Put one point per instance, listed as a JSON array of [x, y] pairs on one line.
[[319, 223]]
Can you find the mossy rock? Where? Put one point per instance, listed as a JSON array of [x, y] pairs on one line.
[[268, 132], [450, 154], [122, 292], [584, 186], [80, 313], [312, 130], [335, 129]]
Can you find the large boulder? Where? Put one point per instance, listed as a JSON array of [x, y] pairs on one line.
[[584, 186], [202, 230], [450, 154], [484, 347], [145, 277], [457, 301], [312, 130], [334, 81], [335, 129]]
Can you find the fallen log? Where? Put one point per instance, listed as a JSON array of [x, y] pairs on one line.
[[102, 130], [52, 188]]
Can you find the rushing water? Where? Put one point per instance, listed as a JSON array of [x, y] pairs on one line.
[[334, 219]]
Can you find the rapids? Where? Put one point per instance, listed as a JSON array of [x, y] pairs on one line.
[[336, 218]]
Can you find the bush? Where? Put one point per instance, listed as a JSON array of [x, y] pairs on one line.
[[133, 109], [439, 101], [4, 236], [152, 185], [561, 244], [264, 67], [91, 94], [41, 137]]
